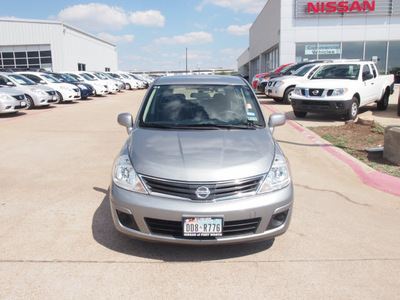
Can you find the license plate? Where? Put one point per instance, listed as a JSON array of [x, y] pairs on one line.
[[204, 226], [54, 98]]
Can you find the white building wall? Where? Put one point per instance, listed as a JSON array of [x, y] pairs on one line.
[[69, 46]]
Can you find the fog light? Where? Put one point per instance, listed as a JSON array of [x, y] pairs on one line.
[[277, 220], [127, 220], [8, 107], [339, 105]]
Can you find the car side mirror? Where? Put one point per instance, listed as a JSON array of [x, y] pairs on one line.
[[276, 119], [126, 119], [9, 83], [42, 82]]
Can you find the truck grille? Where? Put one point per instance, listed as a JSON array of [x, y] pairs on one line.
[[175, 229], [218, 190]]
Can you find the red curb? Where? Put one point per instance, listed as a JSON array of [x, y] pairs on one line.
[[375, 179]]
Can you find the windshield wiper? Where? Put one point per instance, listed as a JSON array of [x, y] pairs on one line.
[[158, 125]]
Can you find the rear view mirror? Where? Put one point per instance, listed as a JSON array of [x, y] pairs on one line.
[[126, 119], [276, 120], [9, 83]]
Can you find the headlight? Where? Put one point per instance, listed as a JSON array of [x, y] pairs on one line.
[[82, 86], [278, 176], [125, 176], [4, 97], [38, 91], [297, 91], [66, 88], [339, 92]]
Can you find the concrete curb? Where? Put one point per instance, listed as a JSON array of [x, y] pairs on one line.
[[375, 179]]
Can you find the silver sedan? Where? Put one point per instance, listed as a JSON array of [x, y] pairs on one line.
[[200, 166]]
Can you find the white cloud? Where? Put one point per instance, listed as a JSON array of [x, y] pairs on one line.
[[132, 57], [94, 16], [192, 38], [127, 38], [147, 18], [246, 6], [239, 30]]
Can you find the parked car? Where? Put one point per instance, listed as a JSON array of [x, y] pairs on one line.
[[200, 166], [65, 91], [341, 88], [142, 84], [257, 76], [280, 89], [113, 85], [85, 89], [100, 88], [121, 84], [36, 95], [12, 100], [130, 83]]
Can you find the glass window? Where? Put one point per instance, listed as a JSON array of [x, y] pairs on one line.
[[33, 54], [328, 51], [306, 52], [33, 60], [394, 57], [45, 53], [338, 71], [20, 54], [45, 60], [8, 55], [376, 51], [352, 50], [20, 61], [8, 62]]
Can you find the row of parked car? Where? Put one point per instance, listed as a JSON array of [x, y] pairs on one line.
[[25, 89], [336, 86]]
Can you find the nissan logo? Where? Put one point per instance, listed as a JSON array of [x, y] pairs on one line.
[[315, 92], [202, 192]]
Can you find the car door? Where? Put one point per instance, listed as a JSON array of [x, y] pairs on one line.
[[368, 85]]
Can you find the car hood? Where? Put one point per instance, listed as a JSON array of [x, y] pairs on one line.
[[11, 91], [326, 83], [201, 155]]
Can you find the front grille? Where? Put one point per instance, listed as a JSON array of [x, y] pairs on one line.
[[51, 93], [187, 190], [19, 97], [175, 229], [316, 103], [316, 92]]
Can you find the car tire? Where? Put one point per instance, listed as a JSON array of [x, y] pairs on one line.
[[398, 107], [128, 86], [29, 102], [384, 102], [287, 97], [353, 110], [300, 114], [60, 97]]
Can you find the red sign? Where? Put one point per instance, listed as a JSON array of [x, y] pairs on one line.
[[340, 6]]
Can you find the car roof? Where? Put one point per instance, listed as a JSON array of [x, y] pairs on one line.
[[200, 79]]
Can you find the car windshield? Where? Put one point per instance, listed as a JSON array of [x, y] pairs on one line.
[[201, 106], [22, 80], [75, 77], [100, 76], [303, 70], [338, 71], [87, 77], [51, 78], [68, 78]]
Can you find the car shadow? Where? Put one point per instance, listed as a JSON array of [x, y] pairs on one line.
[[105, 234]]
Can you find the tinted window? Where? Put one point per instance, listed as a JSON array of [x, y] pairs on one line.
[[45, 53], [33, 54]]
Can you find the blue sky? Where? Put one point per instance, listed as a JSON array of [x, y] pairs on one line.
[[153, 35]]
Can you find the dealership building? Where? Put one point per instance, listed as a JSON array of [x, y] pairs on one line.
[[289, 31], [53, 46]]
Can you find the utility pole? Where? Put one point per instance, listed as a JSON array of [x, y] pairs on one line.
[[186, 62]]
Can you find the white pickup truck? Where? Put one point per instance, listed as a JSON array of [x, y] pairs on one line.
[[341, 88]]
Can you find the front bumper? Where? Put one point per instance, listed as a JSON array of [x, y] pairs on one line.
[[138, 215], [10, 106], [338, 107], [275, 92]]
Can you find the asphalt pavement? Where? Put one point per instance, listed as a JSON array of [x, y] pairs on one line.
[[58, 239]]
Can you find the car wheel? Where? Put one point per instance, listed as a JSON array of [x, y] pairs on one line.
[[128, 86], [59, 97], [384, 102], [29, 102], [398, 107], [287, 97], [300, 114], [353, 110]]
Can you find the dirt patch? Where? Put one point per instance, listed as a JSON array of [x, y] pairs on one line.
[[355, 139]]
